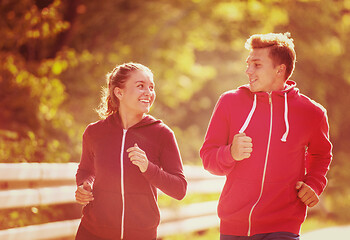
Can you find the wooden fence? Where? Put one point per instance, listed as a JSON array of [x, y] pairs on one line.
[[37, 184]]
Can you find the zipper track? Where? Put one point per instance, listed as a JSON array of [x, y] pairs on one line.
[[122, 183], [264, 173]]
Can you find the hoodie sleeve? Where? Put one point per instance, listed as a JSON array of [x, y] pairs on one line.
[[169, 178], [216, 149], [318, 157], [86, 166]]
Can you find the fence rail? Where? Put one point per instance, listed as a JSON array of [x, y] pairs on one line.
[[35, 184]]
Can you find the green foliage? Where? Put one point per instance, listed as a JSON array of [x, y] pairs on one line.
[[54, 56], [21, 217]]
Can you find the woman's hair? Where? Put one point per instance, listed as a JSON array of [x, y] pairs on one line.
[[117, 78], [281, 48]]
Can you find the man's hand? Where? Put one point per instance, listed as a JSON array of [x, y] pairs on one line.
[[306, 194], [83, 194], [241, 147]]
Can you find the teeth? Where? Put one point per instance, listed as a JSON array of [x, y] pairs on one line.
[[145, 101]]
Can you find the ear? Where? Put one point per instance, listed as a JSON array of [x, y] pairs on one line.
[[118, 92], [281, 70]]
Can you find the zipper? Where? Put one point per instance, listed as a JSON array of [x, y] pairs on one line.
[[264, 173], [122, 183]]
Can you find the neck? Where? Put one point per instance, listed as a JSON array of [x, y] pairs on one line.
[[278, 87], [128, 120]]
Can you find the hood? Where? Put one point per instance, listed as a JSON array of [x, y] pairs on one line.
[[289, 91], [290, 88], [147, 120]]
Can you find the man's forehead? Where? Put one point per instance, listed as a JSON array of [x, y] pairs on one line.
[[258, 54]]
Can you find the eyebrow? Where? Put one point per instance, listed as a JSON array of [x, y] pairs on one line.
[[142, 81], [253, 60]]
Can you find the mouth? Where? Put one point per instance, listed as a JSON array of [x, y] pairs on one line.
[[147, 101], [251, 81]]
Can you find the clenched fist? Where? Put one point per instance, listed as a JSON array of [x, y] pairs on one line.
[[241, 147], [138, 157], [306, 194], [83, 194]]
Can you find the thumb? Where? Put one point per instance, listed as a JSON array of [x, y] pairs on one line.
[[87, 186], [299, 184], [135, 145]]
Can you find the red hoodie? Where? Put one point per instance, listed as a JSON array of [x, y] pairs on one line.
[[290, 143], [125, 200]]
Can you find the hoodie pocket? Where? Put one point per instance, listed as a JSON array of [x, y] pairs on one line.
[[105, 210], [236, 200], [141, 211]]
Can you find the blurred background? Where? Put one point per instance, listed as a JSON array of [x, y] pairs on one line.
[[54, 55]]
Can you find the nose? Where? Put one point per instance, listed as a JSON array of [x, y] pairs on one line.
[[147, 92], [248, 71]]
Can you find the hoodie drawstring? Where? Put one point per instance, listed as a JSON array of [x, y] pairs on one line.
[[284, 137], [245, 125], [247, 121]]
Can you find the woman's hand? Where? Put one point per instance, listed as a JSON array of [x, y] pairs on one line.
[[83, 194], [138, 157]]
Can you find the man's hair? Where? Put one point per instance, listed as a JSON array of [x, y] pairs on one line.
[[281, 48]]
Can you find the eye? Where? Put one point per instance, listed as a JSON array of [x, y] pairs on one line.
[[151, 88], [140, 85]]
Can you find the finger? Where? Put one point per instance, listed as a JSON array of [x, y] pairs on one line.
[[84, 191], [130, 149], [301, 193], [247, 150], [299, 184], [87, 186], [307, 201], [137, 158], [83, 200], [243, 139], [136, 155], [247, 139], [313, 203], [137, 163], [83, 195], [135, 149], [240, 134], [247, 144]]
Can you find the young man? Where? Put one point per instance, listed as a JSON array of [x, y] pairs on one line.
[[272, 144]]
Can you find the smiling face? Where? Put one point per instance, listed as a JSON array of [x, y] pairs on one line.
[[138, 95], [263, 75]]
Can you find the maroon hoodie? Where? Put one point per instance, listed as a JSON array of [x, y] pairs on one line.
[[290, 143], [125, 200]]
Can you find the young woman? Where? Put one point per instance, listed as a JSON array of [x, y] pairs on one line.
[[125, 157]]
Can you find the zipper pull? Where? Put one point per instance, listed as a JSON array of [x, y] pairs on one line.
[[270, 98]]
